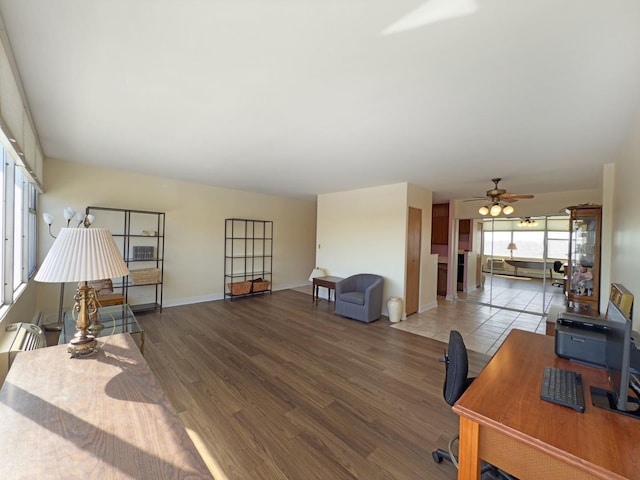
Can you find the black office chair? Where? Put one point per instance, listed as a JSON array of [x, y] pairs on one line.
[[455, 383], [557, 267]]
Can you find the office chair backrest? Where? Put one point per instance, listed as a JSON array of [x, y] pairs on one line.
[[557, 266], [457, 368]]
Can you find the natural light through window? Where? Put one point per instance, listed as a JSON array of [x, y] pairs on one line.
[[431, 12], [529, 243], [18, 209], [18, 216]]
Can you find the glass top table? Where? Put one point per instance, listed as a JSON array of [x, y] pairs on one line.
[[114, 318]]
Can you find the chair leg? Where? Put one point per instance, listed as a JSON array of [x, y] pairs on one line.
[[488, 471], [440, 454]]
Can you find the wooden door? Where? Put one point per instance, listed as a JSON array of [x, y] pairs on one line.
[[412, 283]]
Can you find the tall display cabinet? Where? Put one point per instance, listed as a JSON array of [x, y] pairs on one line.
[[139, 235], [583, 269]]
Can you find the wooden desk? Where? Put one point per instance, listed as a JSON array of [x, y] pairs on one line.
[[329, 283], [102, 416], [503, 421], [532, 265]]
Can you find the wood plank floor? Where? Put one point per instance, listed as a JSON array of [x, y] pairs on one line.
[[273, 387]]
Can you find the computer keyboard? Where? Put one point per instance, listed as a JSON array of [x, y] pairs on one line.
[[563, 387]]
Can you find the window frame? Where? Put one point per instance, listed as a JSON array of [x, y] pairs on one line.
[[18, 255], [552, 234]]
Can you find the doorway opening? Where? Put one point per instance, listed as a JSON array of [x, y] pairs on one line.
[[518, 260]]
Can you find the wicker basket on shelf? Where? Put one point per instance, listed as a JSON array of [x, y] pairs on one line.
[[144, 275], [259, 285], [239, 288]]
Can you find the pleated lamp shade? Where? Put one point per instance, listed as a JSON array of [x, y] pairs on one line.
[[82, 254], [317, 272]]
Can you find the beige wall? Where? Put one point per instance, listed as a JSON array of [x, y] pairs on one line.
[[626, 223], [365, 231], [195, 214], [418, 197], [606, 237]]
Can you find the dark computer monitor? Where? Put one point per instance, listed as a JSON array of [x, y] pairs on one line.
[[618, 356], [618, 363]]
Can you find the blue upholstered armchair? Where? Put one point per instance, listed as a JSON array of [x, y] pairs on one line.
[[360, 297]]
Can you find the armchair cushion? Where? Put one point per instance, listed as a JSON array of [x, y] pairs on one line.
[[360, 297], [356, 298]]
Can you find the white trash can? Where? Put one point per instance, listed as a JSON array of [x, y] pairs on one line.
[[395, 306]]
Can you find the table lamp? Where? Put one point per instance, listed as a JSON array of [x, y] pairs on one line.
[[317, 272], [82, 255], [511, 247]]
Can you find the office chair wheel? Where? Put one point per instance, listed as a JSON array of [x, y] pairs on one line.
[[436, 457]]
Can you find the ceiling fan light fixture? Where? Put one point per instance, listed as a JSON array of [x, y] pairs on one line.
[[495, 210], [499, 200], [527, 222]]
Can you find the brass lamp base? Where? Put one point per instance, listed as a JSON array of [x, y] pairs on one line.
[[83, 343], [82, 347], [96, 327]]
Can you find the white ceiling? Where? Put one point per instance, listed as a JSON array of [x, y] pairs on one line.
[[301, 97]]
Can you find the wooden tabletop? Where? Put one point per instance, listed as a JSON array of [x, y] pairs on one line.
[[328, 280], [506, 397], [104, 416]]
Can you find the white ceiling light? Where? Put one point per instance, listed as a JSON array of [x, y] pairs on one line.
[[527, 222], [495, 210]]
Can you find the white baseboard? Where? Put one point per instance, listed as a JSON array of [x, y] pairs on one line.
[[219, 296], [190, 300], [428, 306]]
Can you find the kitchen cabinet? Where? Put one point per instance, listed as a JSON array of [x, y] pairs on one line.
[[440, 224]]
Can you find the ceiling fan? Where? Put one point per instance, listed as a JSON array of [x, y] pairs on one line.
[[497, 199]]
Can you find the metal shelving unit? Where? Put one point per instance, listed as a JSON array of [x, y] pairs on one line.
[[248, 255], [139, 234]]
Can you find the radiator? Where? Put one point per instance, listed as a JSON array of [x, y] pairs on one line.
[[495, 264], [18, 337]]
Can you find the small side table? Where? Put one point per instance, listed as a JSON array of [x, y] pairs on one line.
[[115, 319], [329, 283]]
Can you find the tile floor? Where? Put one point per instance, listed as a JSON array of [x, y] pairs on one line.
[[484, 328]]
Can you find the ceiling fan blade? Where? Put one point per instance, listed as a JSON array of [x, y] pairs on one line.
[[504, 196], [499, 195], [475, 199]]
